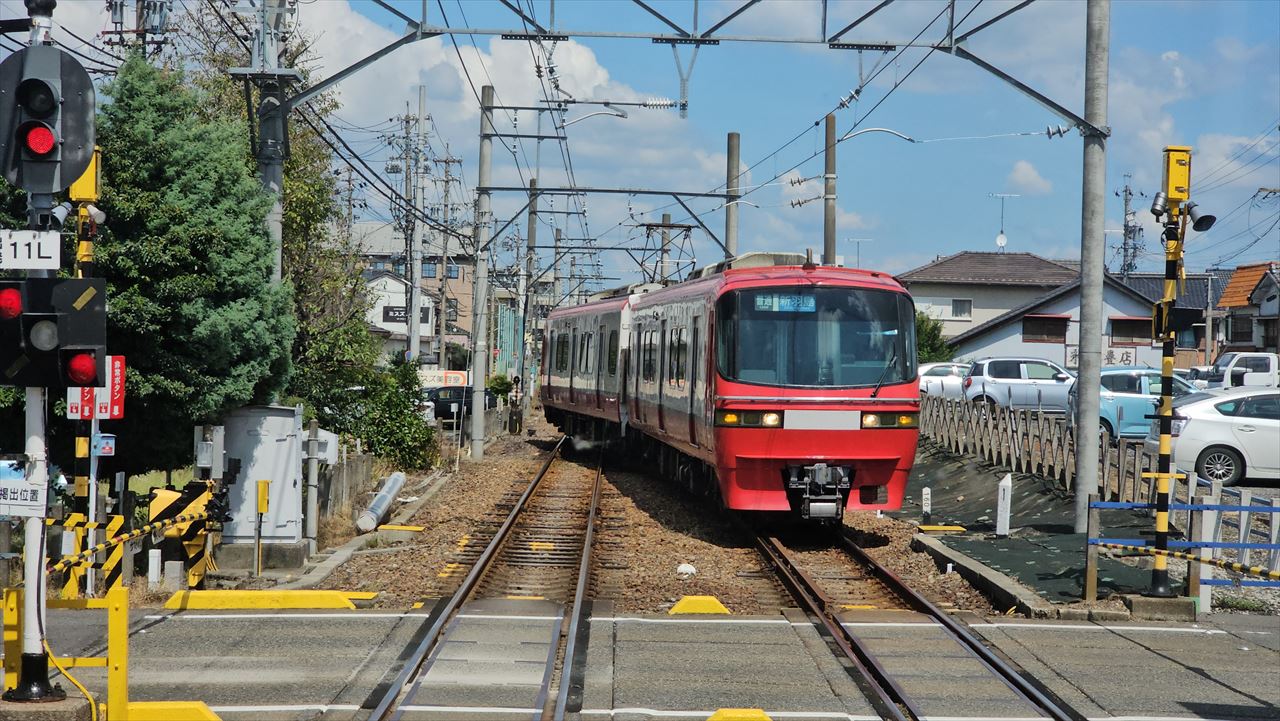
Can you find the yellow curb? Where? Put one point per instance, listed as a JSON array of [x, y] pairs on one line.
[[416, 604], [739, 714], [171, 711], [941, 529], [526, 598], [857, 606], [393, 527], [360, 595], [234, 600], [698, 604]]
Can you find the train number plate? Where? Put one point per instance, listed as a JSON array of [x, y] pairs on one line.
[[822, 420]]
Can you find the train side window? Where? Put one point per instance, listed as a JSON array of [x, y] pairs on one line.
[[584, 353], [613, 352], [676, 352], [648, 368]]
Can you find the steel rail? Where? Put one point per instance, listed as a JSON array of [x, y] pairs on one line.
[[998, 667], [428, 642], [575, 618], [888, 695]]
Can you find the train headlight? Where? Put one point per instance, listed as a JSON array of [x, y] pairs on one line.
[[771, 420], [890, 420], [727, 418]]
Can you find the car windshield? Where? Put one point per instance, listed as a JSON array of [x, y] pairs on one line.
[[1223, 361], [1190, 398], [799, 336]]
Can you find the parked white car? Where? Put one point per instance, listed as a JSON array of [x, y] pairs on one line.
[[1225, 434], [942, 379]]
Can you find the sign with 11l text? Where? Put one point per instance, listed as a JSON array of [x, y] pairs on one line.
[[30, 250], [107, 403], [19, 497]]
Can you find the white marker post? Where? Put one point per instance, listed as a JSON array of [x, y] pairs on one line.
[[926, 505], [1004, 500]]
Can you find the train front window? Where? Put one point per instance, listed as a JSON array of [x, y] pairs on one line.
[[816, 337]]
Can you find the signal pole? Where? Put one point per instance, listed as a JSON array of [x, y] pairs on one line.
[[829, 195]]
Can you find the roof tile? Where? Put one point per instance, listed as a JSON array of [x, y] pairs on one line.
[[999, 268]]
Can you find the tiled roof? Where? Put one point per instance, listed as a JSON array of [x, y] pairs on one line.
[[1243, 281], [1151, 285], [993, 268]]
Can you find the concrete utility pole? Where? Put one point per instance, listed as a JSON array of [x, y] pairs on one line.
[[526, 291], [1131, 245], [264, 70], [479, 331], [417, 192], [731, 187], [829, 196], [1092, 249], [443, 312]]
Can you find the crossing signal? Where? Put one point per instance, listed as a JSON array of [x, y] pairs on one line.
[[53, 332], [46, 119]]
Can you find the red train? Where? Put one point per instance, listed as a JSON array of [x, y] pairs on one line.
[[783, 388]]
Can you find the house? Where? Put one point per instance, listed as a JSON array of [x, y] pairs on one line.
[[383, 247], [1250, 305], [1049, 327], [970, 288], [1197, 295], [389, 293]]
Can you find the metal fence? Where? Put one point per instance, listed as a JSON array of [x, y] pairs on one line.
[[1218, 524]]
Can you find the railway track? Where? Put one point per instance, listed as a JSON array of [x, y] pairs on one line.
[[540, 556], [825, 589]]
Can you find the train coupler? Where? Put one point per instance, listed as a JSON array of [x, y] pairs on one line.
[[819, 491]]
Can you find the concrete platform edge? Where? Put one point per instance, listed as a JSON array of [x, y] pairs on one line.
[[1003, 591]]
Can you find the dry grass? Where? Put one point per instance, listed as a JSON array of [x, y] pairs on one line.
[[336, 529], [142, 597]]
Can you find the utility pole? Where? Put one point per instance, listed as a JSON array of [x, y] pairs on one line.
[[526, 289], [480, 351], [731, 187], [1131, 246], [555, 271], [666, 248], [264, 71], [1092, 249], [829, 196], [442, 312], [415, 151]]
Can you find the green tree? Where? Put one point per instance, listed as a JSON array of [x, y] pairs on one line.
[[930, 345], [333, 351], [499, 385], [188, 262], [390, 418]]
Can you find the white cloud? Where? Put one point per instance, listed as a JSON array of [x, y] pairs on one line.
[[848, 220], [1025, 179]]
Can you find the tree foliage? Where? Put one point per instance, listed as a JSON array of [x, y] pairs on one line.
[[390, 418], [188, 262], [499, 385], [930, 345]]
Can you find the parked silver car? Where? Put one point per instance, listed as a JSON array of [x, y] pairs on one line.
[[942, 379], [1019, 383]]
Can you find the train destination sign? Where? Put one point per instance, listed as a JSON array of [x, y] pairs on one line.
[[786, 303]]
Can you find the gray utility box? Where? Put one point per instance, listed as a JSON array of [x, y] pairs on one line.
[[268, 441]]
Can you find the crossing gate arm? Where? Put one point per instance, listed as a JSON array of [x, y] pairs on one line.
[[1259, 571]]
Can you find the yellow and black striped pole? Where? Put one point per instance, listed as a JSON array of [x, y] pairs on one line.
[[1260, 571], [1176, 191]]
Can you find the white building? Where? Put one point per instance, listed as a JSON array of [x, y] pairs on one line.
[[389, 321]]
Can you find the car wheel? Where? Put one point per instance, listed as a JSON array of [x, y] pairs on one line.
[[1104, 428], [1220, 464]]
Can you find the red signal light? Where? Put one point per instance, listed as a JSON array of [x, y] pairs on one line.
[[82, 369], [38, 139], [10, 303]]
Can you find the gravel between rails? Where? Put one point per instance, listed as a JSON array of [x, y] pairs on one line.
[[407, 572]]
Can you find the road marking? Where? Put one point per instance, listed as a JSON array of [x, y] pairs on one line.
[[1153, 718], [756, 621], [509, 618], [1092, 627], [771, 714], [469, 709], [322, 708], [282, 616], [541, 546]]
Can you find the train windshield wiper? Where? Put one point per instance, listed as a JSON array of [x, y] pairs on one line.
[[892, 358]]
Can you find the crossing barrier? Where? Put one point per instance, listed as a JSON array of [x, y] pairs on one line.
[[191, 536], [68, 561], [117, 706], [112, 567]]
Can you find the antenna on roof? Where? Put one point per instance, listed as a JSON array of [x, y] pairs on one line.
[[1002, 240]]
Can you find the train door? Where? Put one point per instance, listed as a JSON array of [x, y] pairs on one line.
[[662, 372], [695, 354], [573, 364], [601, 348]]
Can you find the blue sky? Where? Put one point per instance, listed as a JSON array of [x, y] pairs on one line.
[[1203, 74]]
